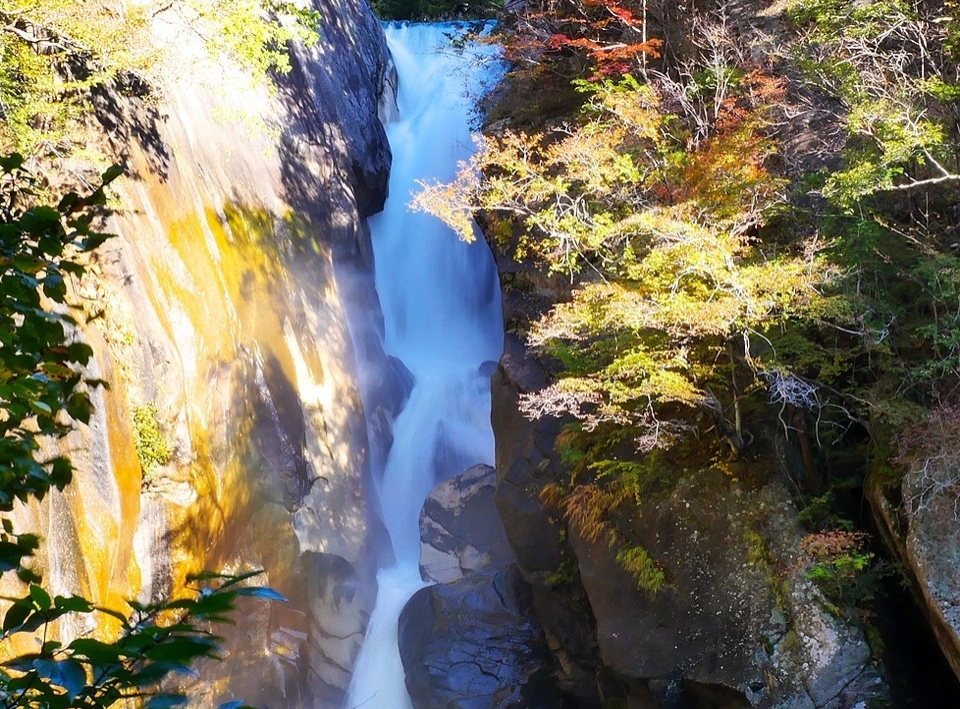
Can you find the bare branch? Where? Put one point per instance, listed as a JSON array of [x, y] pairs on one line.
[[922, 183]]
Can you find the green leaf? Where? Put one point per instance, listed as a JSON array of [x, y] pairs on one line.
[[79, 407], [61, 472], [72, 604], [41, 408], [261, 592], [10, 556], [11, 162], [68, 674], [79, 352], [68, 202], [97, 652], [40, 597], [183, 649], [17, 614], [112, 173], [229, 579], [28, 576]]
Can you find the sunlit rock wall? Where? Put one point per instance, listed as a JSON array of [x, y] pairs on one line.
[[219, 306]]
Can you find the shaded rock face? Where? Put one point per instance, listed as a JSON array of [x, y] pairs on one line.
[[471, 640], [525, 463], [717, 624], [460, 530], [472, 644], [925, 537]]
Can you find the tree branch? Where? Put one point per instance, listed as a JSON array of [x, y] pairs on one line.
[[922, 183], [45, 40]]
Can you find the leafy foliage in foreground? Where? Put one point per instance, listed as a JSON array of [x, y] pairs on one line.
[[44, 393], [42, 387], [154, 642]]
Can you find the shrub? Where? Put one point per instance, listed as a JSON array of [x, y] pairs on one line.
[[153, 449]]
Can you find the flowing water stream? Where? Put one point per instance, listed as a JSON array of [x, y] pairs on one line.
[[442, 319]]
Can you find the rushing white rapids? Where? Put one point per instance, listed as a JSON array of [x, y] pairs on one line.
[[442, 318]]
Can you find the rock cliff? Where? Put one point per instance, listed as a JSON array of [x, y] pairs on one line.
[[472, 640], [219, 322]]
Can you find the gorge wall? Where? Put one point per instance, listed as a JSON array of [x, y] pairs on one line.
[[218, 318]]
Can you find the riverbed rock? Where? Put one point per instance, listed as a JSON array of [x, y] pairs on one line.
[[731, 621], [460, 529], [472, 644]]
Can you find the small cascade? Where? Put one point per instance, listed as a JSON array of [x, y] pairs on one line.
[[442, 319]]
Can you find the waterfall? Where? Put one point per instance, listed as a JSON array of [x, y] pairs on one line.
[[442, 319]]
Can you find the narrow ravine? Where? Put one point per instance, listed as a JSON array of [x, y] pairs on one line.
[[442, 319]]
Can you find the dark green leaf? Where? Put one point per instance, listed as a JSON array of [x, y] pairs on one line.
[[112, 173], [28, 576], [40, 597], [11, 162], [97, 652], [261, 592], [68, 202], [17, 614], [72, 604]]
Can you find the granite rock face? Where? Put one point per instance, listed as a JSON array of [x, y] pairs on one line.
[[460, 529], [226, 305], [718, 624], [924, 534]]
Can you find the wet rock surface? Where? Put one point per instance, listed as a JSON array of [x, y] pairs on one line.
[[460, 529], [473, 643]]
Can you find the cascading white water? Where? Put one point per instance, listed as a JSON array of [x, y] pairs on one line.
[[442, 318]]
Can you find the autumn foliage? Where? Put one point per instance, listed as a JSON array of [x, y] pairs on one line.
[[602, 37], [709, 286], [649, 203]]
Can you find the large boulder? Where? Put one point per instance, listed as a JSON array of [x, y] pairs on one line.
[[460, 530], [736, 620], [473, 644]]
